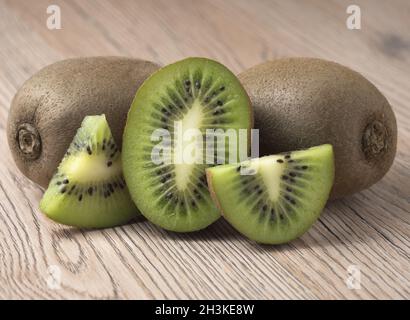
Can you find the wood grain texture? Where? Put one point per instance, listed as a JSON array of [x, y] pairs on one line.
[[369, 229]]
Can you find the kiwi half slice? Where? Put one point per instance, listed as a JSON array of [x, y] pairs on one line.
[[274, 199], [88, 190], [199, 94]]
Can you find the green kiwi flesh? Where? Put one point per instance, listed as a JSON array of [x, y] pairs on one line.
[[88, 190], [277, 198], [202, 94]]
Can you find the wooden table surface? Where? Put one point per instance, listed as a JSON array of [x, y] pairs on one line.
[[367, 233]]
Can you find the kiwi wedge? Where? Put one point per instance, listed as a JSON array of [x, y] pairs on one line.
[[199, 94], [277, 198], [88, 190]]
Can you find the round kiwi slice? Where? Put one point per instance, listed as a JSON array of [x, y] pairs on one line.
[[88, 190], [274, 199], [198, 94]]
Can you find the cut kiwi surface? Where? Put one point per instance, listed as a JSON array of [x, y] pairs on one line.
[[88, 190], [274, 199], [198, 94]]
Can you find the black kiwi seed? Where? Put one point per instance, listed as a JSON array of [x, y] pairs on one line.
[[285, 177], [63, 190], [260, 191], [289, 189], [197, 84], [58, 183], [90, 191], [304, 167], [287, 156], [219, 103], [89, 150], [187, 83], [222, 88], [110, 187], [80, 197], [238, 169], [272, 211], [109, 163], [292, 174], [66, 181], [279, 161], [265, 207]]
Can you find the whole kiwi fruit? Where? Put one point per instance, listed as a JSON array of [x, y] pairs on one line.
[[48, 109], [304, 102]]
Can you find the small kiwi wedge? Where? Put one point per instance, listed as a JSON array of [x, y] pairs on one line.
[[88, 190], [305, 102], [49, 107], [199, 94], [277, 198]]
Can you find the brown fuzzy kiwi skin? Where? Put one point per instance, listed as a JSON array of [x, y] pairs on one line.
[[212, 192], [304, 102], [48, 109]]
